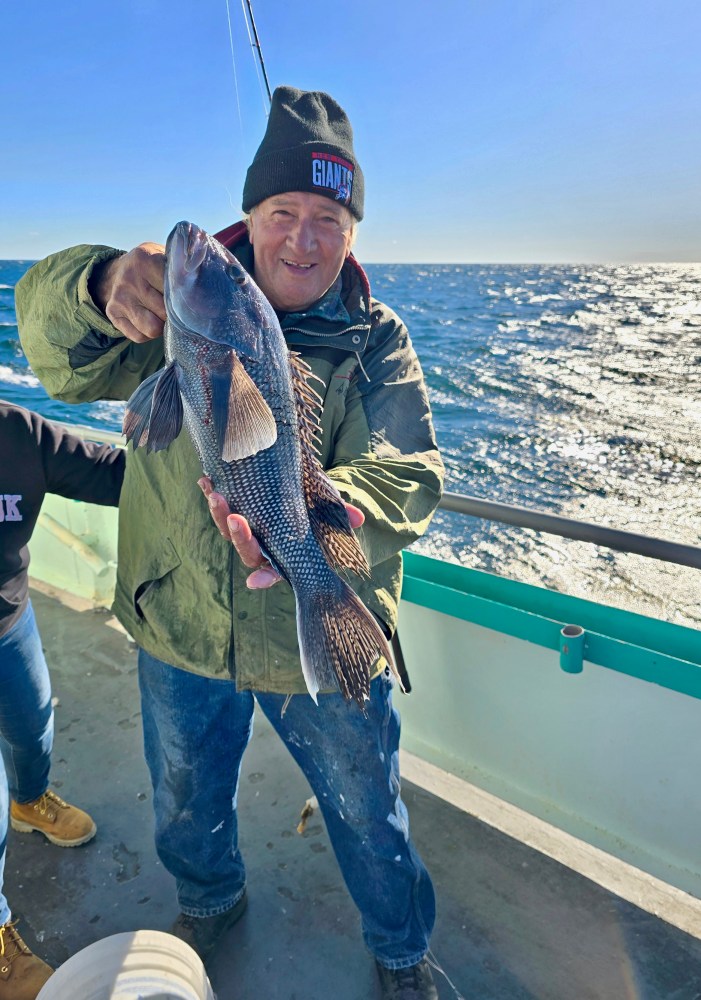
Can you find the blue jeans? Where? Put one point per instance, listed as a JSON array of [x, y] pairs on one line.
[[26, 724], [195, 732]]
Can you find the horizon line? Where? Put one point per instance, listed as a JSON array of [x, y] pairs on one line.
[[480, 263]]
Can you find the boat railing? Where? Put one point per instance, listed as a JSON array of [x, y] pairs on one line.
[[525, 517], [577, 712], [567, 527]]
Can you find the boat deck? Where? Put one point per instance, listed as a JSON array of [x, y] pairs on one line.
[[513, 924]]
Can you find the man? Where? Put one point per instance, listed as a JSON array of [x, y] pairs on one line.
[[185, 600], [36, 457]]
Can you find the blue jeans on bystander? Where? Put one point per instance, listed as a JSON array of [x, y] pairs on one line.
[[26, 725], [195, 732]]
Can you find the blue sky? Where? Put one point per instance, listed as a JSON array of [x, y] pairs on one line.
[[551, 130]]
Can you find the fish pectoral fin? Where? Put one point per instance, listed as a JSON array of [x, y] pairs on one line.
[[166, 419], [328, 518], [154, 412], [243, 421]]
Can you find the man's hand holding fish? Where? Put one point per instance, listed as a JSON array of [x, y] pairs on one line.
[[237, 530], [129, 291]]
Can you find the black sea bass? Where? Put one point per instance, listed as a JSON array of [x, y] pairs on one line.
[[252, 416]]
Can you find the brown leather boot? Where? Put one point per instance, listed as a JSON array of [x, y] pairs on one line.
[[22, 974], [61, 823]]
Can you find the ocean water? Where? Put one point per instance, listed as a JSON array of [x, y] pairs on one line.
[[570, 389]]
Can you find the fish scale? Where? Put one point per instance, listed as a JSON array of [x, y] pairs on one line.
[[243, 399]]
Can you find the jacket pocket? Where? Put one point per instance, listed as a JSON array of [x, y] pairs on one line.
[[154, 578]]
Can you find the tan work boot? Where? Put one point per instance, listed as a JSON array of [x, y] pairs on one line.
[[60, 822], [22, 974]]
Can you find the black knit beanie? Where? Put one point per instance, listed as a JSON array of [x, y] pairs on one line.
[[307, 146]]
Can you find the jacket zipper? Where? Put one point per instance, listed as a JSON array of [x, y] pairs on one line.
[[310, 333]]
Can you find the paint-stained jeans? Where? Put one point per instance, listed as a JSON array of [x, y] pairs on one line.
[[195, 732], [26, 724]]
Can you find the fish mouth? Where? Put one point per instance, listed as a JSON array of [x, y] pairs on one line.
[[207, 292], [187, 301], [187, 247]]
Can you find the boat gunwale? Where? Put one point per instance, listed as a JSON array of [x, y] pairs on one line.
[[646, 648]]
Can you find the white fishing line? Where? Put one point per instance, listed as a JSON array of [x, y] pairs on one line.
[[233, 65]]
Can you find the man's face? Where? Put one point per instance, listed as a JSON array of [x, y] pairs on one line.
[[300, 241]]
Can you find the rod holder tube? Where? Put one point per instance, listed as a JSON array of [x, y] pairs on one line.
[[572, 649]]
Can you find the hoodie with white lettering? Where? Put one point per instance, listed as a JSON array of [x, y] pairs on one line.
[[39, 457]]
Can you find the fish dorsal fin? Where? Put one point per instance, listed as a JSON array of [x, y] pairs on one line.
[[327, 513], [154, 413], [243, 421]]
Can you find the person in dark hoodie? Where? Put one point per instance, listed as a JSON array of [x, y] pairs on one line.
[[36, 457]]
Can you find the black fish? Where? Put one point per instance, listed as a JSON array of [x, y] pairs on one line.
[[253, 418]]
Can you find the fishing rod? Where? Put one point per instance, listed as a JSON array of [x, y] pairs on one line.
[[256, 44]]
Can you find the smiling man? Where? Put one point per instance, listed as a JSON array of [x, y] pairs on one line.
[[91, 322], [300, 242], [304, 195]]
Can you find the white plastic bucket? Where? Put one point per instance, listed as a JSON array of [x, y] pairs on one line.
[[140, 965]]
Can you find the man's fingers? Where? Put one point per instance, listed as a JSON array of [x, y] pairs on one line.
[[218, 507], [138, 322], [129, 290], [233, 527], [262, 578], [355, 515], [149, 327], [249, 552], [245, 544], [144, 265], [237, 530], [153, 302]]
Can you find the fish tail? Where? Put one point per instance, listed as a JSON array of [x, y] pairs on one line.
[[340, 642]]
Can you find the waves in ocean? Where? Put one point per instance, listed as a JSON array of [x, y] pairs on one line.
[[570, 389]]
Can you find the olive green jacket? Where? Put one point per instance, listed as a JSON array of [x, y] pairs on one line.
[[181, 590]]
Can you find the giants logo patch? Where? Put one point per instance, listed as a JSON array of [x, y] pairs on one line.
[[334, 174]]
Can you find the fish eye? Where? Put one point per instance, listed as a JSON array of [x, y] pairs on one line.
[[238, 275]]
